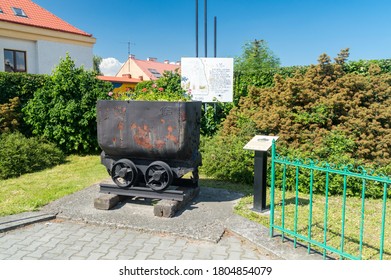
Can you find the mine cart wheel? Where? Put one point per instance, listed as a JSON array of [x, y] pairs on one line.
[[158, 175], [124, 173]]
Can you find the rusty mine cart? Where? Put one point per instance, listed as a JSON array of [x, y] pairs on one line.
[[148, 146]]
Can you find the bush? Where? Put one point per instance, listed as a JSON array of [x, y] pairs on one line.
[[20, 85], [304, 109], [64, 109], [9, 115], [20, 88], [225, 159], [166, 88], [20, 155], [322, 113]]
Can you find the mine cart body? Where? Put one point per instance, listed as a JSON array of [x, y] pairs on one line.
[[149, 142]]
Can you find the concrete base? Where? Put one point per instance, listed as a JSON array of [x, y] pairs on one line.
[[164, 208], [168, 208], [107, 201]]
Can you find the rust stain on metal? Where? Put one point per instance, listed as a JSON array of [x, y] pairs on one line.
[[121, 125], [170, 136], [141, 136], [160, 144], [119, 111]]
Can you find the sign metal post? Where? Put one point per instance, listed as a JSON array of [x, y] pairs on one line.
[[260, 144]]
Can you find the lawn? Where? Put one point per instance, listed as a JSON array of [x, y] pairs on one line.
[[372, 221], [29, 192], [32, 191]]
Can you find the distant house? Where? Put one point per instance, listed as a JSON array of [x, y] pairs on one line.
[[146, 70], [33, 40], [135, 70], [121, 84]]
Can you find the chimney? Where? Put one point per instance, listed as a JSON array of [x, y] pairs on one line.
[[166, 61], [151, 59]]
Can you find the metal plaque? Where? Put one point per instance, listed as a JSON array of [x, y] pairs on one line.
[[260, 143]]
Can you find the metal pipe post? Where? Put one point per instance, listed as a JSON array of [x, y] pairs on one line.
[[215, 36], [260, 175], [206, 27], [196, 15]]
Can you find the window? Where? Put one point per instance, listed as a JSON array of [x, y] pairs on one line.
[[1, 11], [155, 73], [14, 61], [19, 12]]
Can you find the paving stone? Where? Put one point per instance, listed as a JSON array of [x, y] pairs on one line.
[[4, 256], [158, 255], [188, 256], [219, 257], [82, 241], [95, 256], [234, 256], [85, 252], [112, 255], [141, 256]]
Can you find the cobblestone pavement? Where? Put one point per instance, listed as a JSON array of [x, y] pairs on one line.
[[70, 240]]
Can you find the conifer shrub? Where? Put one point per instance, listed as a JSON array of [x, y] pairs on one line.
[[20, 155], [10, 115], [323, 113]]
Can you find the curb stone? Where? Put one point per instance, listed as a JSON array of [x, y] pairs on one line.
[[11, 222]]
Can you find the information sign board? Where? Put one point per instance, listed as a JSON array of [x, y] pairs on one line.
[[208, 79]]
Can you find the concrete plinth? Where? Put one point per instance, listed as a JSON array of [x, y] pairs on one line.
[[168, 208], [106, 201]]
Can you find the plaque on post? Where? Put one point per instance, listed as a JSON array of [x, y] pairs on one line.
[[260, 144]]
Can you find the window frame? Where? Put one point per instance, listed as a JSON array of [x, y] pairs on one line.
[[14, 62], [155, 73], [19, 12]]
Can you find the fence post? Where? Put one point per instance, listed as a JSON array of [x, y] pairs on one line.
[[272, 183]]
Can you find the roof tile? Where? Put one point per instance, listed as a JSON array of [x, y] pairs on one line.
[[158, 66], [36, 16]]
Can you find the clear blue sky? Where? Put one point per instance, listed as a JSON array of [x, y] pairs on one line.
[[297, 31]]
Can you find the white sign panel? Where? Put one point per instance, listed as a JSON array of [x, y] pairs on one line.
[[208, 79], [260, 143]]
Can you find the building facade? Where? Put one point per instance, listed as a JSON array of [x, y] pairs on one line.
[[146, 70], [32, 40]]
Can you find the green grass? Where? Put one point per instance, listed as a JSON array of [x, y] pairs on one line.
[[372, 221], [31, 191]]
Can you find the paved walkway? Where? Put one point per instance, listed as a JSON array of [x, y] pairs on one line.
[[67, 240], [206, 229]]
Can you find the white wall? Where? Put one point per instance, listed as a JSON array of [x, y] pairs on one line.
[[43, 56], [49, 54]]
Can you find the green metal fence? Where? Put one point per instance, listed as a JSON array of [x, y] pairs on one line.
[[303, 209]]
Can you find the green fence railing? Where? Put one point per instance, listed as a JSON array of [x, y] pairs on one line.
[[303, 208]]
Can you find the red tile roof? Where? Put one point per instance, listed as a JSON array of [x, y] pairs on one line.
[[145, 65], [36, 16]]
